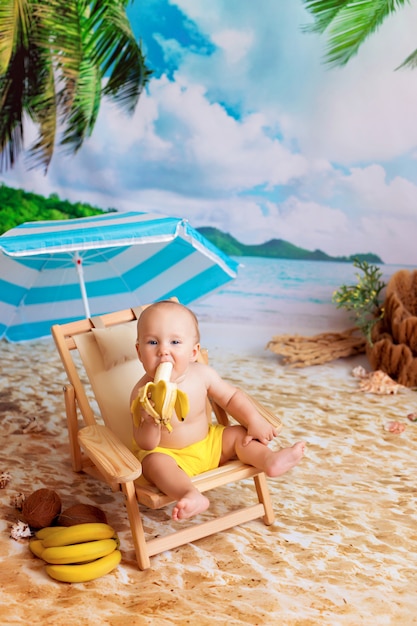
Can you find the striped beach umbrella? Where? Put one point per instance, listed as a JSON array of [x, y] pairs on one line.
[[58, 271]]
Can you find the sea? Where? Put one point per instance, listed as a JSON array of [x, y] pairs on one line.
[[285, 294]]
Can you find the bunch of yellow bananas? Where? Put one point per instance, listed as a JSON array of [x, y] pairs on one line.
[[78, 553], [160, 397]]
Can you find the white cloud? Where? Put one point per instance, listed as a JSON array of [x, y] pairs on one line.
[[235, 44], [173, 51], [355, 118], [369, 188], [208, 148], [273, 69], [117, 133], [363, 111]]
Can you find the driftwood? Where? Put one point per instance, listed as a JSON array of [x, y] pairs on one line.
[[299, 351]]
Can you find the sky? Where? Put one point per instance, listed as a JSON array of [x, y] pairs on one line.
[[243, 127]]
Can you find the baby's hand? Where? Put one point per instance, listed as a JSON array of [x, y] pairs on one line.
[[263, 432]]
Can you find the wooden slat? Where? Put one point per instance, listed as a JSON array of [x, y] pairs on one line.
[[72, 423], [73, 377], [230, 472], [204, 529]]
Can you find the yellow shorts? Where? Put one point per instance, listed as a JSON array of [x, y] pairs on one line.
[[198, 457]]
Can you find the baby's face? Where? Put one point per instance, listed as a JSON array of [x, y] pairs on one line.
[[167, 334]]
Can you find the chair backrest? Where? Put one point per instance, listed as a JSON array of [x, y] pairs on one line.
[[113, 368], [109, 357]]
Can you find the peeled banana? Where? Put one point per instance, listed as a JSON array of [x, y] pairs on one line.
[[85, 571], [160, 397], [78, 533], [77, 553]]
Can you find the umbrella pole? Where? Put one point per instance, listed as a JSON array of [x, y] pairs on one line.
[[79, 266]]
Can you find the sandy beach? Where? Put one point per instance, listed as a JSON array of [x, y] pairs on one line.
[[342, 550]]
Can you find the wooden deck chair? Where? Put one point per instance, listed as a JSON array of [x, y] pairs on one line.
[[101, 445]]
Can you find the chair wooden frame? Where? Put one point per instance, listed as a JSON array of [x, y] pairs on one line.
[[96, 450]]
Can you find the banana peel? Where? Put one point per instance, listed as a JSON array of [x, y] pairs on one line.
[[160, 398]]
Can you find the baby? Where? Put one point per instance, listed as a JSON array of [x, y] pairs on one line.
[[168, 331]]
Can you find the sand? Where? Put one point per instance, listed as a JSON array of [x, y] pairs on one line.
[[342, 550]]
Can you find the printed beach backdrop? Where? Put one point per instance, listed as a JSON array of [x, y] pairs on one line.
[[286, 295], [243, 128]]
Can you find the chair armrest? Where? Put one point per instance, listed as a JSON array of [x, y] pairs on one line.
[[112, 458], [266, 413]]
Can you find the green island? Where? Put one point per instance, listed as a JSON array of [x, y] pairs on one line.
[[277, 249], [18, 206]]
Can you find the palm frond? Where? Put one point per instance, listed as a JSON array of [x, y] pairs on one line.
[[7, 34], [57, 60], [11, 122], [81, 118], [348, 23], [410, 61], [42, 106], [324, 12], [60, 34], [116, 51], [15, 43]]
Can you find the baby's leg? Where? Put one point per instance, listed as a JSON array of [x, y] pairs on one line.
[[161, 470], [272, 462], [280, 461]]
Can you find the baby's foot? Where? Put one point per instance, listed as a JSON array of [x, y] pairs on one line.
[[192, 503], [280, 462]]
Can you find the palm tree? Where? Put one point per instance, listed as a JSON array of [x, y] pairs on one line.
[[58, 59], [348, 23]]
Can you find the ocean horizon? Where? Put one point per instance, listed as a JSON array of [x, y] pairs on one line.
[[281, 292]]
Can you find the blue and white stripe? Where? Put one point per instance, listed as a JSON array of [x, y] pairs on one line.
[[127, 259]]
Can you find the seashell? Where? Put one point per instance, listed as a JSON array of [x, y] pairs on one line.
[[396, 428], [376, 382], [17, 501], [360, 372], [19, 530], [5, 478]]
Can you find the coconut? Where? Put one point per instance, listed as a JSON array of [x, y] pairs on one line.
[[81, 514], [41, 508]]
